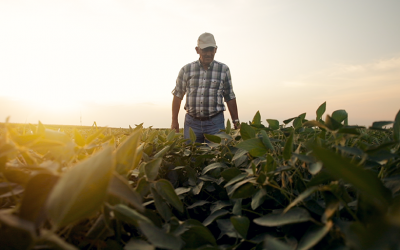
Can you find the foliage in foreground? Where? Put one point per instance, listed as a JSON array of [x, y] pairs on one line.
[[318, 184]]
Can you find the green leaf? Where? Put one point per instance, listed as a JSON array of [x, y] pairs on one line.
[[247, 132], [237, 208], [239, 153], [315, 124], [228, 127], [301, 197], [295, 215], [151, 169], [126, 153], [120, 188], [171, 135], [258, 198], [273, 124], [192, 135], [162, 152], [214, 216], [198, 204], [235, 179], [56, 136], [135, 244], [241, 225], [36, 192], [197, 235], [213, 166], [87, 181], [95, 135], [159, 238], [313, 235], [167, 191], [161, 206], [353, 130], [289, 120], [242, 190], [298, 121], [192, 175], [213, 138], [128, 215], [53, 241], [226, 228], [266, 140], [79, 140], [396, 127], [143, 187], [230, 173], [339, 115], [332, 124], [381, 124], [363, 180], [288, 149], [256, 119], [271, 243], [254, 146], [315, 167], [320, 111], [196, 190]]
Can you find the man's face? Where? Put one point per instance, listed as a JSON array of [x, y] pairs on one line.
[[206, 54]]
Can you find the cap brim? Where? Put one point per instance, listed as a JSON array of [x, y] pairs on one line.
[[207, 45]]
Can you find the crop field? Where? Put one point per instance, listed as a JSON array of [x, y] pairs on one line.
[[316, 183]]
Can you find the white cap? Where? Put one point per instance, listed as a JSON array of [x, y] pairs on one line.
[[206, 40]]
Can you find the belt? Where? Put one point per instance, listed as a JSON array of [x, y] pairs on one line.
[[205, 118]]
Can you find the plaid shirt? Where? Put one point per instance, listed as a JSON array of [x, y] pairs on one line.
[[205, 89]]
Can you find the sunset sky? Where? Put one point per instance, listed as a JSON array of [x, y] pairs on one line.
[[116, 62]]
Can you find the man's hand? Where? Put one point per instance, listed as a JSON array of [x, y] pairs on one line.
[[236, 125], [175, 125]]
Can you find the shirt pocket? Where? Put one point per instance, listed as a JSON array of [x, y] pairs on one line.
[[216, 84]]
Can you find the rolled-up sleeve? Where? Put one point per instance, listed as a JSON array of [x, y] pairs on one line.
[[180, 87], [228, 89]]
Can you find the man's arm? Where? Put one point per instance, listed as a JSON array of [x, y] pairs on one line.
[[232, 107], [176, 105]]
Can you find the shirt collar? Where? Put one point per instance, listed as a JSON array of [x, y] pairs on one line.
[[201, 66]]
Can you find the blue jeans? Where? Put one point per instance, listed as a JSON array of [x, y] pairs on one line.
[[212, 126]]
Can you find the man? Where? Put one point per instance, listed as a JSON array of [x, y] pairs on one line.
[[206, 84]]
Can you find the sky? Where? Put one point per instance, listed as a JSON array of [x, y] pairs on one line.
[[116, 62]]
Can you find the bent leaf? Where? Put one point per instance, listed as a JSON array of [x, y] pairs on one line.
[[295, 215], [313, 235], [151, 169], [167, 191], [87, 181], [361, 179], [254, 146], [129, 215], [120, 187], [159, 238], [126, 153]]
